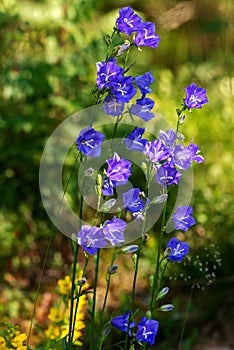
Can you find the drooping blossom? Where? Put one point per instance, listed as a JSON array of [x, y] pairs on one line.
[[183, 217], [167, 175], [91, 238], [195, 96], [113, 230], [89, 142], [146, 36], [143, 82], [128, 21], [142, 108], [132, 200], [156, 151], [117, 173], [134, 140], [123, 89], [108, 73], [168, 137], [147, 330], [122, 323], [178, 249], [112, 107]]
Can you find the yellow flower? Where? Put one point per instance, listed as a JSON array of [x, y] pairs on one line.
[[55, 315], [22, 348], [65, 285], [52, 332], [18, 340], [2, 344]]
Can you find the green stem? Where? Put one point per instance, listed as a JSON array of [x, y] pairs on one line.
[[108, 279], [79, 293], [134, 282], [186, 317], [71, 324], [91, 347], [156, 273]]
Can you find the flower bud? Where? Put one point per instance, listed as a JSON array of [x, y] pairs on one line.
[[82, 281], [134, 260], [108, 205], [151, 281], [130, 249], [167, 252], [160, 199], [148, 314], [182, 118], [112, 269], [89, 172], [98, 186], [166, 307], [121, 49], [162, 293]]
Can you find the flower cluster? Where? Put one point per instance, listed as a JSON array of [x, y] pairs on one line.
[[166, 159], [112, 80], [59, 313], [13, 339], [146, 329]]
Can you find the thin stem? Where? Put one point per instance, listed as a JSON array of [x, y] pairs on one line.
[[91, 347], [186, 317], [79, 293], [75, 254], [71, 327], [108, 280], [156, 273], [134, 281]]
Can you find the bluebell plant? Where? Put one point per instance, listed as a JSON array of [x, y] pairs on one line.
[[166, 158]]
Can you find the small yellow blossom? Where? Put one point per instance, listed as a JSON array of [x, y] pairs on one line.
[[18, 340], [55, 315], [52, 332], [2, 344], [65, 285], [22, 348]]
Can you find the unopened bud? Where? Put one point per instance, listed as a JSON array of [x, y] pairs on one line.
[[145, 238], [120, 49], [130, 249], [166, 307], [112, 269], [82, 281], [89, 172], [167, 252], [182, 118], [108, 205], [160, 199], [151, 281], [162, 293], [134, 260], [148, 314], [108, 40], [99, 185]]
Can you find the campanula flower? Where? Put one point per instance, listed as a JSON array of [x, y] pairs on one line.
[[167, 175], [108, 73], [142, 108], [147, 330], [183, 217], [134, 140], [132, 201], [195, 153], [128, 21], [156, 151], [182, 157], [118, 170], [91, 238], [168, 137], [89, 142], [113, 230], [143, 82], [178, 249], [117, 174], [112, 107], [123, 89], [195, 96], [146, 35], [122, 323]]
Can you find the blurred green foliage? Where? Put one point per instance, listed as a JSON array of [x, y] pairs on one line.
[[47, 71]]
